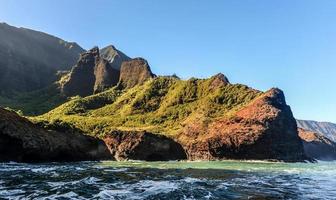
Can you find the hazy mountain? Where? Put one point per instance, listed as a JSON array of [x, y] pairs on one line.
[[326, 128], [317, 146], [30, 59]]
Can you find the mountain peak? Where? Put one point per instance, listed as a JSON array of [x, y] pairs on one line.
[[219, 80], [113, 56]]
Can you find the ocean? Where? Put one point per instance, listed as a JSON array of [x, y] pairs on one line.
[[168, 180]]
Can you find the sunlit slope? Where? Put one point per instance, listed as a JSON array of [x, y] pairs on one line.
[[161, 105]]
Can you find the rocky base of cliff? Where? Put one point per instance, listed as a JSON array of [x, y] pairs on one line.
[[127, 145], [265, 129], [22, 141]]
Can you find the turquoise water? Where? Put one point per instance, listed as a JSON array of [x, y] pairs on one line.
[[168, 180]]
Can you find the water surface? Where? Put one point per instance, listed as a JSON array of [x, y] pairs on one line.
[[168, 180]]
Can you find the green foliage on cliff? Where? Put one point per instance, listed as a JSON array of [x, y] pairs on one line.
[[161, 105], [34, 103]]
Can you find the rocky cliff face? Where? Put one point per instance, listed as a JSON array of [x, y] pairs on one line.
[[105, 76], [325, 128], [317, 146], [96, 72], [143, 146], [134, 72], [82, 78], [91, 74], [22, 141], [263, 129], [30, 59]]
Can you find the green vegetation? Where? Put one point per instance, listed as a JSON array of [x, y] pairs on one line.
[[161, 105], [34, 103]]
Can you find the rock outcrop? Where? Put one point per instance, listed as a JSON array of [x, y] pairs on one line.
[[82, 78], [23, 141], [95, 72], [134, 72], [105, 76], [317, 146], [265, 129], [143, 146], [91, 74], [30, 59]]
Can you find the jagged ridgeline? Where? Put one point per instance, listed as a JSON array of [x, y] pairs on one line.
[[210, 118]]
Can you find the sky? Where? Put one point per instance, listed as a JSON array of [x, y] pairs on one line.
[[289, 44]]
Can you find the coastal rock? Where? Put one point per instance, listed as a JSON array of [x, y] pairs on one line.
[[317, 146], [265, 129], [134, 72], [143, 146], [23, 141]]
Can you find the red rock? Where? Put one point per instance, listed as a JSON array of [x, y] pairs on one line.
[[265, 129]]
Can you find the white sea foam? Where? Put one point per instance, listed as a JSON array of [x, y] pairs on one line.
[[43, 169], [9, 193], [68, 195], [139, 190], [191, 180], [88, 181], [116, 170]]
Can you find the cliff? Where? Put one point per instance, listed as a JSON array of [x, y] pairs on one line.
[[263, 129], [95, 72], [23, 141], [134, 72]]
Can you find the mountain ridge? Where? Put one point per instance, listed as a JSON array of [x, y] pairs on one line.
[[327, 129], [30, 59]]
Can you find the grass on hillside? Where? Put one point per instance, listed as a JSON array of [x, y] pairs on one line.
[[161, 105], [34, 103]]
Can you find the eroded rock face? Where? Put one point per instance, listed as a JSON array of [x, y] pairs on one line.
[[91, 74], [143, 146], [264, 130], [22, 141], [317, 146], [134, 72], [82, 79], [105, 76]]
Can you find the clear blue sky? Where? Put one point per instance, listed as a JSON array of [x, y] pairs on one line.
[[290, 44]]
